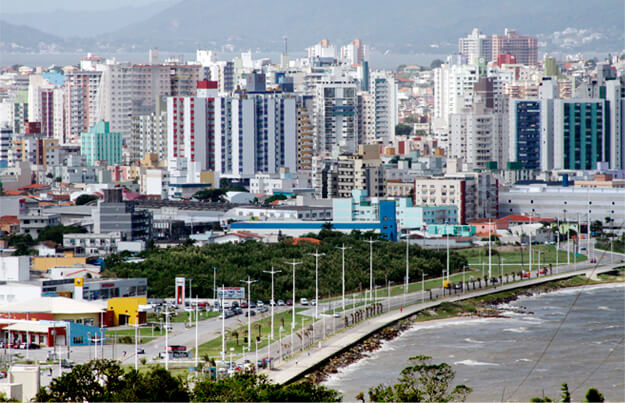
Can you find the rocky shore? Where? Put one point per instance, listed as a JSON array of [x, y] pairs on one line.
[[479, 307]]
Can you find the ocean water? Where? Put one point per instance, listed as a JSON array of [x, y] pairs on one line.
[[493, 355]]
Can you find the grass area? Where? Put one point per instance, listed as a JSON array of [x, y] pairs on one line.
[[180, 317], [617, 245], [282, 319], [515, 258], [127, 336]]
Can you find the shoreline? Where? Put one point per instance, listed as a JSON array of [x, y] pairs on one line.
[[474, 308]]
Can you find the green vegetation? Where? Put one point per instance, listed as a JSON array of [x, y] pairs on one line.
[[421, 381], [84, 199], [107, 381], [618, 244], [55, 233], [22, 244], [402, 130], [256, 388], [515, 258], [235, 336], [237, 261], [273, 198]]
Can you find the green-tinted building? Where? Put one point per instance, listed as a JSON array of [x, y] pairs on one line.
[[99, 144], [581, 133]]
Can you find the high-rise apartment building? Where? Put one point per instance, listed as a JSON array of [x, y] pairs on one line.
[[581, 133], [335, 115], [478, 46], [149, 134], [81, 88], [100, 144], [354, 53]]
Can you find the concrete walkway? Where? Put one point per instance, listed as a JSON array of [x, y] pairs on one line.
[[300, 364]]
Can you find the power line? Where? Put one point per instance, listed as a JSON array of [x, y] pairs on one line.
[[600, 364], [552, 338]]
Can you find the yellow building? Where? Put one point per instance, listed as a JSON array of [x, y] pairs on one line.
[[43, 263], [126, 310]]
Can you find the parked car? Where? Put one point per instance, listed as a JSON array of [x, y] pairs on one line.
[[272, 302], [237, 310], [263, 309], [251, 312], [235, 304], [289, 302], [303, 301], [280, 302], [313, 302], [252, 305], [259, 303], [525, 274], [140, 351], [243, 304]]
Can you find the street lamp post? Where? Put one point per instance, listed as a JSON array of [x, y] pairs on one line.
[[317, 255], [371, 290], [273, 301], [294, 264], [343, 249], [389, 294], [249, 314], [490, 262], [423, 274], [223, 324], [214, 283], [280, 340], [136, 346], [407, 268], [197, 324]]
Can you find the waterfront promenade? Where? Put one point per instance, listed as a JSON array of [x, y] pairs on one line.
[[300, 364]]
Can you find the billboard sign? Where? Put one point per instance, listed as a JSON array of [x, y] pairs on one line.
[[180, 282], [231, 292]]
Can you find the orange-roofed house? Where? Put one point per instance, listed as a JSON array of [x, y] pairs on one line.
[[10, 224]]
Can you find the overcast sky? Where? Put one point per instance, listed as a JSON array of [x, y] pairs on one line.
[[25, 6]]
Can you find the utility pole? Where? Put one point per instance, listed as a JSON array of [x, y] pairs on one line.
[[249, 314], [490, 261], [294, 264], [273, 301], [223, 324], [407, 268], [197, 324], [557, 241], [371, 290], [343, 249], [214, 283], [317, 255]]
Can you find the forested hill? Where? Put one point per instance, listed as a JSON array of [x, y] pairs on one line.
[[236, 261]]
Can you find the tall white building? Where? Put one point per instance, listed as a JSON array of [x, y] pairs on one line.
[[149, 134], [114, 97], [615, 94], [384, 96], [322, 50], [335, 115], [476, 45], [354, 53]]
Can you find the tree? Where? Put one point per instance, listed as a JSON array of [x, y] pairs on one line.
[[593, 395], [22, 244], [544, 399], [256, 388], [55, 233], [85, 198], [565, 395], [105, 380], [436, 63], [273, 198], [402, 130], [212, 195], [421, 381]]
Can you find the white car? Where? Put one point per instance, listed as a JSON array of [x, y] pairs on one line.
[[313, 302], [303, 301], [260, 303]]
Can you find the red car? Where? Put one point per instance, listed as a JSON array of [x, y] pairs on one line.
[[525, 274], [289, 302], [542, 271]]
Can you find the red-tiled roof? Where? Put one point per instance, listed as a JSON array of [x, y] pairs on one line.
[[9, 219], [14, 193], [35, 186], [522, 218], [245, 234], [296, 241]]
